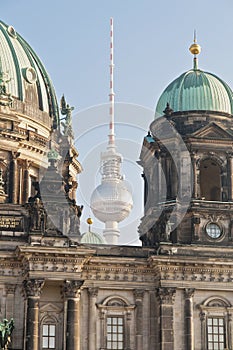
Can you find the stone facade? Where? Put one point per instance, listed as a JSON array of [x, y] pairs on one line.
[[164, 297], [173, 293]]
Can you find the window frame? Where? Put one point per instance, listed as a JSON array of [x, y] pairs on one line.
[[213, 333], [216, 308], [117, 325], [48, 336], [116, 306]]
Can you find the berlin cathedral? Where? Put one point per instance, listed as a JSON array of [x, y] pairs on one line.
[[64, 292]]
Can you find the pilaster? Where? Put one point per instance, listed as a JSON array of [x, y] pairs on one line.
[[166, 298], [189, 330], [93, 293], [138, 296]]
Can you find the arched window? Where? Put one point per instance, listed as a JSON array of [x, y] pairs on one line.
[[51, 327], [49, 333], [215, 318], [210, 180], [115, 315]]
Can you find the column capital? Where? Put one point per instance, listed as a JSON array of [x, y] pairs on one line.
[[15, 155], [27, 164], [189, 293], [138, 293], [10, 288], [229, 154], [93, 292], [202, 316], [166, 295], [71, 288], [33, 287]]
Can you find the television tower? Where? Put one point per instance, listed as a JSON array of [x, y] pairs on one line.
[[111, 201]]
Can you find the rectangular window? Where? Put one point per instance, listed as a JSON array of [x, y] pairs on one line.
[[216, 337], [48, 336], [115, 333]]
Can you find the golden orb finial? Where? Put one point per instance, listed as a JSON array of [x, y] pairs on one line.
[[195, 49], [89, 221]]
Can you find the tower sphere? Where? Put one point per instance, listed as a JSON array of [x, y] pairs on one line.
[[111, 201]]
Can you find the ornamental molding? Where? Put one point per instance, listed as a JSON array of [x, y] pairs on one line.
[[10, 288], [10, 267], [189, 293], [138, 294], [195, 273], [48, 262], [71, 289], [33, 287], [166, 295], [93, 292], [121, 276]]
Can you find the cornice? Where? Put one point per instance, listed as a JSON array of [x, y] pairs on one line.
[[199, 272]]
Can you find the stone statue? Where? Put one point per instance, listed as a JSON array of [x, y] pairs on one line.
[[37, 218], [6, 329], [75, 214], [5, 98], [67, 111]]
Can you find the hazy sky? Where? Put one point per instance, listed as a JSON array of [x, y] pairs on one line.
[[151, 49]]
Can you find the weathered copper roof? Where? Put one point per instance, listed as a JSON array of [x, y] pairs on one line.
[[27, 79], [197, 90]]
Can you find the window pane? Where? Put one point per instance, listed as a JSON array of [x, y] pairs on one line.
[[52, 330], [45, 342], [220, 321], [45, 329], [51, 343]]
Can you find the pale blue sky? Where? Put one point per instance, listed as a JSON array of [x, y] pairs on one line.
[[151, 49]]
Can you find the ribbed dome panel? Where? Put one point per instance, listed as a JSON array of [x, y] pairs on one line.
[[197, 90], [29, 81]]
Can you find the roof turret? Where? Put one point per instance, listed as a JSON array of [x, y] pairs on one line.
[[196, 90]]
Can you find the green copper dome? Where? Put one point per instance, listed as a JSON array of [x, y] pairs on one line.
[[92, 238], [197, 90], [27, 79]]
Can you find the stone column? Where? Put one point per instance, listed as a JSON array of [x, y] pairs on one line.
[[10, 295], [230, 176], [13, 180], [203, 330], [174, 175], [166, 298], [26, 181], [188, 311], [229, 330], [72, 294], [93, 292], [33, 290], [195, 180], [138, 295]]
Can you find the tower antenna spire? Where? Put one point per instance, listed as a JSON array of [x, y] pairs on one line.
[[111, 201], [194, 36], [111, 140]]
